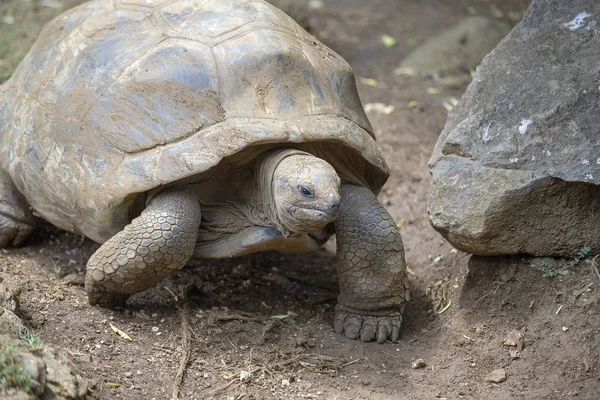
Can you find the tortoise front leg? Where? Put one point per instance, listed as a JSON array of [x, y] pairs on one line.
[[16, 219], [159, 241], [371, 268]]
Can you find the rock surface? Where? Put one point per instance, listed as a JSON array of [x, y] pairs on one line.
[[517, 166], [53, 373], [461, 47], [496, 376]]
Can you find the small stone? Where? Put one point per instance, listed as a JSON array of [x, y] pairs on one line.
[[418, 363], [285, 382], [155, 329], [514, 354], [564, 328], [496, 376], [512, 338], [245, 375], [73, 279]]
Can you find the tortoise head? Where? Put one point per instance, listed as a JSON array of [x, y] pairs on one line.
[[305, 192]]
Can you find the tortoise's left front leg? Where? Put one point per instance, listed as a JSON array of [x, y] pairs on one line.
[[371, 268], [158, 242]]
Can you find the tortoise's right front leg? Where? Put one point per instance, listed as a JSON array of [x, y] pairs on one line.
[[159, 241], [371, 267]]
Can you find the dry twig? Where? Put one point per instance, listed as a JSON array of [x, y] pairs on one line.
[[185, 348], [595, 266]]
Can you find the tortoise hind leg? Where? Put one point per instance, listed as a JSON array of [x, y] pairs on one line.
[[159, 241], [16, 219], [371, 268]]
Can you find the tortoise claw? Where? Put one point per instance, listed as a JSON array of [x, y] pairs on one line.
[[356, 325]]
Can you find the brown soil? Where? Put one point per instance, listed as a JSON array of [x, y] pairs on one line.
[[230, 303]]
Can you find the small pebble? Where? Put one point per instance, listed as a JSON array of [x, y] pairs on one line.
[[155, 329], [418, 363], [285, 382], [496, 376]]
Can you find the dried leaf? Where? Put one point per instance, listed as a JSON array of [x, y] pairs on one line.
[[388, 41], [315, 4], [369, 82], [405, 71], [443, 310], [379, 108], [496, 12], [119, 332]]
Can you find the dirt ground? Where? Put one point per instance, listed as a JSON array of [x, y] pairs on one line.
[[230, 303]]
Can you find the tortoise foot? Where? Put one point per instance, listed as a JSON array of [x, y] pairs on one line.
[[108, 300], [16, 219], [367, 327], [12, 230]]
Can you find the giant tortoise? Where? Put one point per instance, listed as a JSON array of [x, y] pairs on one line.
[[167, 129]]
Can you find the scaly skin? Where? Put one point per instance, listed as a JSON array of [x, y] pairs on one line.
[[159, 241], [16, 219], [371, 269]]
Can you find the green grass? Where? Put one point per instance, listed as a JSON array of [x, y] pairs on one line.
[[12, 373], [549, 270]]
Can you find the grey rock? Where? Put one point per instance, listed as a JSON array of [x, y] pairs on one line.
[[9, 293], [418, 364], [53, 373], [17, 395], [517, 166], [496, 376], [9, 321], [36, 368], [62, 379], [463, 46]]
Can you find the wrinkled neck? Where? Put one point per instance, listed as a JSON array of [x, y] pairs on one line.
[[265, 173]]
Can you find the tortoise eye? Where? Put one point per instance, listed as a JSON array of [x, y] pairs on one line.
[[304, 191]]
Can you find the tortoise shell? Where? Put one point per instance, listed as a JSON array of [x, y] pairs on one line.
[[117, 98]]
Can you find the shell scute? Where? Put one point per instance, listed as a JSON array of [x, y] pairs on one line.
[[157, 103]]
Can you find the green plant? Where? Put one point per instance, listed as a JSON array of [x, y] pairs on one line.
[[12, 373], [29, 338], [57, 267], [550, 270]]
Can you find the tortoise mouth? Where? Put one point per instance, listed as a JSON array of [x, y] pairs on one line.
[[311, 219]]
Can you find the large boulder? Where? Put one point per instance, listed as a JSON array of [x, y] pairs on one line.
[[462, 47], [517, 166]]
